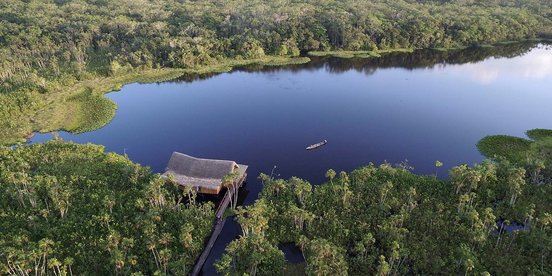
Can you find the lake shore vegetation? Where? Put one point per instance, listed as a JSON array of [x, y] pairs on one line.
[[80, 106], [489, 219], [533, 154], [72, 209]]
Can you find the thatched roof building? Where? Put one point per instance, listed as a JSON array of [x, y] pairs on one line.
[[204, 175]]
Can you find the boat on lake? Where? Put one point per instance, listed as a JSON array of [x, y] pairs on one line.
[[317, 145]]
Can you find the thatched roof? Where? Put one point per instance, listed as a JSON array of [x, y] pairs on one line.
[[205, 175]]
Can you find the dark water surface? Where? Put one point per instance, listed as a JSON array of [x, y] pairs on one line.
[[420, 107]]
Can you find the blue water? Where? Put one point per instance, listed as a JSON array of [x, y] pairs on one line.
[[418, 107]]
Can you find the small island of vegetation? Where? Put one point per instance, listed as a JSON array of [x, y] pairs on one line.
[[534, 154]]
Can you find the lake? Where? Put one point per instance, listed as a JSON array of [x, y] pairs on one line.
[[416, 108]]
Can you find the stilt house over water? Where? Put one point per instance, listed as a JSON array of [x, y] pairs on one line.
[[203, 175]]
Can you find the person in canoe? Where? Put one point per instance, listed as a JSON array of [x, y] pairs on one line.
[[317, 145]]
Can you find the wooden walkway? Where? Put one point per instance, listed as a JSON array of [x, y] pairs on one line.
[[217, 228]]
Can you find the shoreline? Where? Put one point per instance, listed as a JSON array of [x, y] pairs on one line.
[[378, 53], [82, 106]]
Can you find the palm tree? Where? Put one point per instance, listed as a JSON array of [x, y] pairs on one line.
[[383, 267], [438, 164], [330, 174], [344, 178], [230, 183]]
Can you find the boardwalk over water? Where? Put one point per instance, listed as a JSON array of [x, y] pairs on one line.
[[217, 228]]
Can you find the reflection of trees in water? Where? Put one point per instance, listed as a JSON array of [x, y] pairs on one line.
[[194, 77], [426, 58], [417, 59]]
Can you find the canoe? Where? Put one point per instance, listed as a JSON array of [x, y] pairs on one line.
[[317, 145]]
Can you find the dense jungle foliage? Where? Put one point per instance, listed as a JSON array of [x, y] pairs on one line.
[[46, 40], [54, 51], [491, 219], [72, 209]]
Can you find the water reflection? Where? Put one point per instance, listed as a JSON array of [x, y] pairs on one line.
[[537, 64]]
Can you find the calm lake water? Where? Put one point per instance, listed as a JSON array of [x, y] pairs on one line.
[[418, 107]]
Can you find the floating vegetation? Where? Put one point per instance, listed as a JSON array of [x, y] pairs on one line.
[[509, 147]]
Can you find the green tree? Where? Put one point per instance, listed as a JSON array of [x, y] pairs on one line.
[[330, 174]]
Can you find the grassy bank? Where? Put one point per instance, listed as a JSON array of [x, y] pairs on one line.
[[228, 65], [514, 149], [77, 107], [358, 54], [81, 106], [539, 134], [509, 147], [378, 53]]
